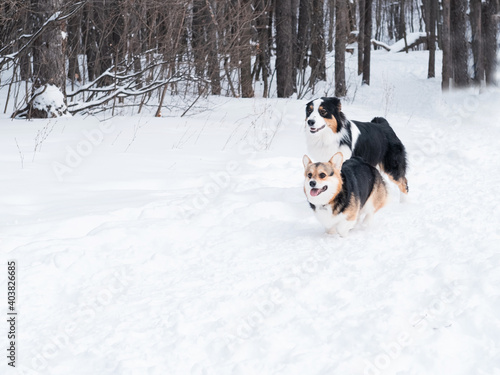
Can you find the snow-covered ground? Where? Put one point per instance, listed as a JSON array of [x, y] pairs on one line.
[[186, 246]]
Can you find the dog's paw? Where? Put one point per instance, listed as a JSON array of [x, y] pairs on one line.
[[343, 233], [331, 231], [404, 198]]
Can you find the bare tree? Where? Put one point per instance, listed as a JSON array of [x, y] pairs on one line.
[[459, 50], [48, 58], [361, 36], [341, 28], [367, 42], [245, 48], [430, 8], [490, 30], [263, 50], [446, 46], [433, 13], [284, 48], [317, 60], [477, 42], [303, 37]]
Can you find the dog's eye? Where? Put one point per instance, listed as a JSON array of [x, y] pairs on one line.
[[323, 113], [309, 175], [308, 111], [322, 175]]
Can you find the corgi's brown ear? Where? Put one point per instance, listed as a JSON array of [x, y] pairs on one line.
[[306, 161], [337, 160]]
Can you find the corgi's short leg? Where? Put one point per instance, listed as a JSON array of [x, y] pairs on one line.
[[368, 218], [368, 210], [404, 197], [332, 230]]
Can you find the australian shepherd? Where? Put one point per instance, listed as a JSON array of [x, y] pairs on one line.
[[329, 131]]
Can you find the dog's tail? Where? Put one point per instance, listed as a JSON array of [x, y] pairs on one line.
[[379, 120]]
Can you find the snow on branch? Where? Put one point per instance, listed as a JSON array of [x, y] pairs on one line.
[[412, 40]]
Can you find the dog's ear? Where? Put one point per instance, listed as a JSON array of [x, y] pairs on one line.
[[334, 102], [306, 161], [337, 160], [338, 104]]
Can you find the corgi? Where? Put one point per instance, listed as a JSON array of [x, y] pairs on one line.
[[342, 194], [329, 131]]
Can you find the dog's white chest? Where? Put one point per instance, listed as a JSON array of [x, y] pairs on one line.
[[325, 144], [334, 223], [325, 216]]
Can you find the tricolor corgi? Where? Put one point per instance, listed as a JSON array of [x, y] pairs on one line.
[[341, 194]]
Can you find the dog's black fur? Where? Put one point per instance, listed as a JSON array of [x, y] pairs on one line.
[[358, 179]]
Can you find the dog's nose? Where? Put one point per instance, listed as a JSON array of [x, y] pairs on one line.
[[311, 122], [312, 183]]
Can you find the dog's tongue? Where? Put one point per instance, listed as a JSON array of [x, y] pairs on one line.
[[315, 192]]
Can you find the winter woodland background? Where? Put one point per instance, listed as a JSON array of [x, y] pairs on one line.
[[120, 53]]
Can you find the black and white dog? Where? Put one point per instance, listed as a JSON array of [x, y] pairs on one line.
[[329, 132]]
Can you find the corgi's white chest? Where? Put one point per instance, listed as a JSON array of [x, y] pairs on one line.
[[325, 216]]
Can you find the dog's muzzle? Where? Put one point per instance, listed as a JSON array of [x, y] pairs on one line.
[[315, 192], [311, 124], [315, 130]]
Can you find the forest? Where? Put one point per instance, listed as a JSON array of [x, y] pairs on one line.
[[100, 54]]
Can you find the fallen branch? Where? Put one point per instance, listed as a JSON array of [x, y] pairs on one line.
[[412, 40], [120, 92]]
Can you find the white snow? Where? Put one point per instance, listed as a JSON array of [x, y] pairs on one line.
[[186, 245]]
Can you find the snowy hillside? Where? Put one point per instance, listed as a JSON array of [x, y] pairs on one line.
[[186, 246]]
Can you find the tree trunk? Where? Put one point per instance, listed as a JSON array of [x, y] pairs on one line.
[[49, 75], [263, 52], [361, 36], [74, 48], [134, 42], [213, 54], [459, 46], [341, 27], [303, 35], [25, 60], [477, 42], [295, 7], [246, 50], [446, 41], [284, 44], [402, 23], [90, 41], [317, 61], [331, 24], [106, 22], [490, 29], [378, 21], [48, 52], [367, 42], [430, 17], [198, 40]]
